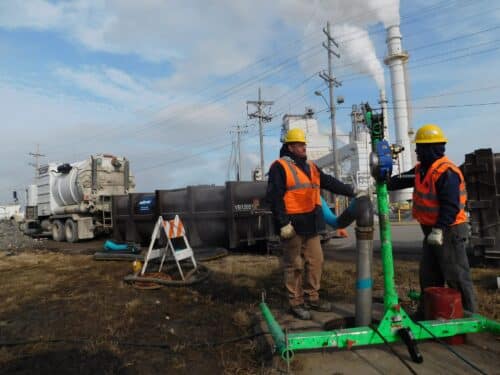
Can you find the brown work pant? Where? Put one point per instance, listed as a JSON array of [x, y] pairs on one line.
[[297, 252]]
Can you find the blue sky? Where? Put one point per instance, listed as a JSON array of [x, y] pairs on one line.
[[163, 83]]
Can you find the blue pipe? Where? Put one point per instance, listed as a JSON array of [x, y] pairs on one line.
[[328, 215], [360, 209]]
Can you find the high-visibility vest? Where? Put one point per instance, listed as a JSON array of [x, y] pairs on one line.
[[302, 193], [425, 200]]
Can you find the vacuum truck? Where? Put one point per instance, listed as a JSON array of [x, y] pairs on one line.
[[73, 201]]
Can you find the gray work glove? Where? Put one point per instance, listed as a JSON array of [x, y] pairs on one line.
[[435, 238], [287, 231]]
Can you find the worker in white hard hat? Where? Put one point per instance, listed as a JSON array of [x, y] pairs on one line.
[[293, 192], [439, 199]]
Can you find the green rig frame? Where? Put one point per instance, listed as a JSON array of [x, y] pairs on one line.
[[396, 325]]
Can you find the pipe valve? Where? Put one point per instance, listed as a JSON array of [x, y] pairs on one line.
[[396, 150], [381, 161]]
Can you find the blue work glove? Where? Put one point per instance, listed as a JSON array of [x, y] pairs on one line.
[[328, 215]]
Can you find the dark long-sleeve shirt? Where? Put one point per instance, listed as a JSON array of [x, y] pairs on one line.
[[307, 223], [447, 190]]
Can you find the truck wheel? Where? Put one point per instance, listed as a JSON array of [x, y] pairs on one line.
[[58, 230], [71, 230]]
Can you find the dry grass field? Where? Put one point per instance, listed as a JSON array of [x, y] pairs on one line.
[[66, 313]]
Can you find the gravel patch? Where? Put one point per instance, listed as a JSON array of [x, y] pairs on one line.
[[12, 240]]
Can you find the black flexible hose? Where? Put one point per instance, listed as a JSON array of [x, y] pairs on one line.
[[129, 343], [392, 349], [437, 339]]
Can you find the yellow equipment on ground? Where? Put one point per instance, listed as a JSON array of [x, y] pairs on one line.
[[136, 266]]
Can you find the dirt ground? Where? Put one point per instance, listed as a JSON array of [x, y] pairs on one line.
[[65, 313]]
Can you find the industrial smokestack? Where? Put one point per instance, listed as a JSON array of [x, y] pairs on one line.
[[396, 60]]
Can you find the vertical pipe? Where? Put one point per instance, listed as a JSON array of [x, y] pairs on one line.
[[383, 104], [364, 281], [390, 295]]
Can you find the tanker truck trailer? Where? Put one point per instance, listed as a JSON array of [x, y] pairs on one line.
[[73, 200]]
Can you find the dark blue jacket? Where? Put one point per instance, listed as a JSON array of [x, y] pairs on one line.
[[447, 186], [308, 223]]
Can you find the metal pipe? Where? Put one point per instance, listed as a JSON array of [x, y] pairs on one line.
[[361, 210], [383, 104], [364, 258], [72, 209], [364, 280]]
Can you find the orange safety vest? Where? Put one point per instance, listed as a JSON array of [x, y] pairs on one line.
[[425, 201], [302, 193]]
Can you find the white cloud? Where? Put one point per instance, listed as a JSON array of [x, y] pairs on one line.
[[200, 39], [36, 14], [113, 85], [172, 118]]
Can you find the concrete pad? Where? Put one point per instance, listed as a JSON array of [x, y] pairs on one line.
[[483, 350]]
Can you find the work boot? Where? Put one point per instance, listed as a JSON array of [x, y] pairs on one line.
[[300, 312], [321, 306]]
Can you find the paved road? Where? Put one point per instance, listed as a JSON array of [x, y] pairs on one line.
[[406, 243]]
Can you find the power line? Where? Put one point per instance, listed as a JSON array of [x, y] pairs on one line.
[[450, 93], [448, 60], [419, 15], [218, 147]]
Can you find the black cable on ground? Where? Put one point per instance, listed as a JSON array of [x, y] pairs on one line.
[[392, 349], [458, 355], [129, 343], [201, 275], [233, 340]]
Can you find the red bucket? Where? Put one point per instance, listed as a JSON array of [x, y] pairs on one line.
[[444, 303]]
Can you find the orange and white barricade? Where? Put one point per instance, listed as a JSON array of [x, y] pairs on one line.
[[172, 229]]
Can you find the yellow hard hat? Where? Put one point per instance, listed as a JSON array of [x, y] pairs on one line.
[[136, 266], [430, 133], [295, 135]]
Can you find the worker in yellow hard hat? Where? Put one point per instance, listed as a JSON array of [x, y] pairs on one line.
[[439, 199], [293, 192]]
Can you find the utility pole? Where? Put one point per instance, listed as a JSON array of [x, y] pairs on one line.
[[37, 156], [259, 113], [239, 130], [332, 82]]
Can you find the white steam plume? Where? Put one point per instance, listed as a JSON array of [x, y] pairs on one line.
[[356, 48], [348, 19], [355, 12]]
